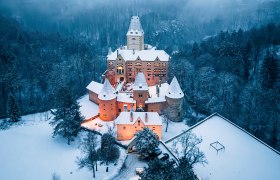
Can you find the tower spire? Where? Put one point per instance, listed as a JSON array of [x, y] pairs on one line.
[[135, 34]]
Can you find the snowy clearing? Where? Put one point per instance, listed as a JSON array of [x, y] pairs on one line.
[[29, 152]]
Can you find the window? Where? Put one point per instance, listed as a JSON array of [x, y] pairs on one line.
[[120, 110], [124, 127], [140, 95], [133, 38], [138, 122], [148, 79], [179, 114]]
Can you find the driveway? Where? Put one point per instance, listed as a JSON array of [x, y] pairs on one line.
[[128, 171]]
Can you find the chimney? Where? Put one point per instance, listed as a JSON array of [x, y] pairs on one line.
[[117, 52], [131, 116], [133, 51], [157, 90], [146, 117]]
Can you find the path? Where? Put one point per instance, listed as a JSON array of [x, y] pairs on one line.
[[128, 171]]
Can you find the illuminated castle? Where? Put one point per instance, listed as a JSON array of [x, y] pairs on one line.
[[135, 90]]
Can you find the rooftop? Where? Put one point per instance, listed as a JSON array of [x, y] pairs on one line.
[[95, 87], [232, 152], [153, 118], [140, 82], [135, 27], [174, 90], [145, 55], [107, 92]]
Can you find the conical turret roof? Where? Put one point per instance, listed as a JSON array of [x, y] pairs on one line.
[[174, 90], [107, 92], [140, 82]]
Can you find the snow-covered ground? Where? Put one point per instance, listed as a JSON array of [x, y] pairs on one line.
[[29, 152], [174, 128], [243, 156], [100, 126]]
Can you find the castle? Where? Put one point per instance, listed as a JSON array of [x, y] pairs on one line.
[[135, 90]]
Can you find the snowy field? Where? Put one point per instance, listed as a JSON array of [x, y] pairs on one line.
[[243, 156], [29, 152]]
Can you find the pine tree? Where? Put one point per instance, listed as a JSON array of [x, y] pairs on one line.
[[195, 50], [269, 71], [109, 152], [146, 142], [67, 117], [12, 108]]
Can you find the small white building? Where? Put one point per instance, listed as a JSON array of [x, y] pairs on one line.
[[232, 152]]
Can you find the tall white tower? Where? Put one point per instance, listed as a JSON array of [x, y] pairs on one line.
[[135, 34]]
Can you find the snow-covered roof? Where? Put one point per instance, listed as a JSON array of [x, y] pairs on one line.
[[155, 100], [174, 90], [95, 87], [107, 92], [125, 97], [140, 82], [244, 156], [144, 55], [153, 118], [135, 27], [162, 90], [88, 108]]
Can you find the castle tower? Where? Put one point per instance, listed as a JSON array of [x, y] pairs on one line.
[[140, 91], [174, 98], [135, 34], [107, 102]]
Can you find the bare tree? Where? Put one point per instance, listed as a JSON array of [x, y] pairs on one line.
[[165, 120], [88, 147], [187, 145]]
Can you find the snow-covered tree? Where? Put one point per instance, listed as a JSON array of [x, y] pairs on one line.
[[146, 141], [90, 153], [13, 111], [109, 151], [67, 117]]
